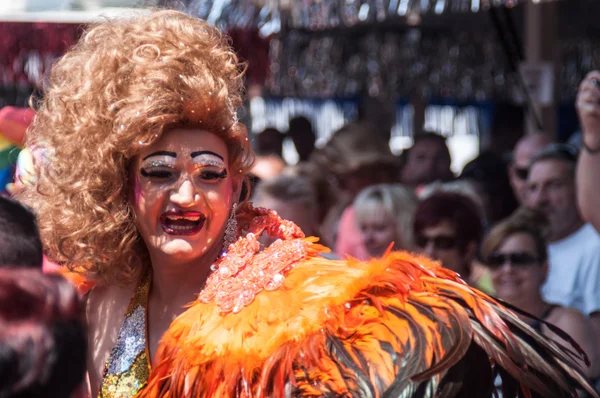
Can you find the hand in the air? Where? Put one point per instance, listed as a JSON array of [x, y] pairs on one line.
[[588, 109]]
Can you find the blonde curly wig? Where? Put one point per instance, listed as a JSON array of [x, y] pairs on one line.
[[124, 84]]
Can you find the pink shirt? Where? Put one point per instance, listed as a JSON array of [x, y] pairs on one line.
[[349, 239]]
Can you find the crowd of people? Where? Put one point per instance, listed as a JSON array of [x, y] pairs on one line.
[[142, 176]]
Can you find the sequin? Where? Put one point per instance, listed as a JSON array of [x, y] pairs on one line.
[[158, 163], [128, 368], [129, 343], [244, 271]]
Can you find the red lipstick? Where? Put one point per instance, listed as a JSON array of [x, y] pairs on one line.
[[186, 223]]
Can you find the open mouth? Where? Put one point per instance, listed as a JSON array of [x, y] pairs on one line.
[[182, 223]]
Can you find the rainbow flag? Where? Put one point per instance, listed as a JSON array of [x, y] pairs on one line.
[[13, 126]]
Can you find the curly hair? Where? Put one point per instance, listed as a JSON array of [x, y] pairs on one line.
[[125, 83]]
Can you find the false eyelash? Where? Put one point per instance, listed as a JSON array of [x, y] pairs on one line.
[[156, 173], [212, 175]]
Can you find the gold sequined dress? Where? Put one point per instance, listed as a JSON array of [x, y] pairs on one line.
[[128, 367]]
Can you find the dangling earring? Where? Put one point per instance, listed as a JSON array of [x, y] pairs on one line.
[[231, 230]]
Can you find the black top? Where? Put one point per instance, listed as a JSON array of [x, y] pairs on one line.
[[536, 324]]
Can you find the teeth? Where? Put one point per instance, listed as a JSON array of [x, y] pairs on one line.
[[189, 218], [182, 228]]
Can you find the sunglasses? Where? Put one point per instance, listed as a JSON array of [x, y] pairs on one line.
[[439, 242], [521, 173], [517, 260]]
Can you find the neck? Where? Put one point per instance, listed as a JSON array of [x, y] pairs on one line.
[[534, 305], [176, 284], [573, 227]]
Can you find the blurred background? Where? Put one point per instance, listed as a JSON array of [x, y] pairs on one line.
[[475, 71]]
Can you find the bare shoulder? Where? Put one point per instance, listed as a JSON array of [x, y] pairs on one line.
[[566, 318], [105, 310], [573, 322]]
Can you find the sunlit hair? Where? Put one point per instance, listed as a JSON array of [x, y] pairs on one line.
[[42, 335], [523, 220], [118, 90], [397, 200]]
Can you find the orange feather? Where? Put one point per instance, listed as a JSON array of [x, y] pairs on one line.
[[400, 325]]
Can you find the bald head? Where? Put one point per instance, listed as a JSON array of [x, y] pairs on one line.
[[527, 146], [523, 152]]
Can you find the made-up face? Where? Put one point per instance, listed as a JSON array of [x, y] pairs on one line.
[[182, 194]]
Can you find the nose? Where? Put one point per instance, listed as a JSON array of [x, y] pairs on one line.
[[506, 267], [367, 236], [429, 249], [537, 197], [185, 195]]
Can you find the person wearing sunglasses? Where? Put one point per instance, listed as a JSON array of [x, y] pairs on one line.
[[522, 154], [448, 227], [515, 251]]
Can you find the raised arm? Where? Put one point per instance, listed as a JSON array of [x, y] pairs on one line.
[[588, 169]]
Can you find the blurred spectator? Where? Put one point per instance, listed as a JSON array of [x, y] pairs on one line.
[[357, 158], [448, 227], [428, 160], [488, 173], [269, 142], [42, 336], [574, 250], [383, 214], [515, 250], [293, 197], [266, 167], [522, 154], [268, 147], [353, 159], [20, 243], [303, 136], [480, 275]]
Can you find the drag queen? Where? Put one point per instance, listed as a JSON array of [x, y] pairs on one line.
[[140, 170]]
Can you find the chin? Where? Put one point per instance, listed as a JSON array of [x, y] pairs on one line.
[[510, 296], [182, 249]]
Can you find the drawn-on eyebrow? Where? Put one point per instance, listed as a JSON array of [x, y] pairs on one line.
[[194, 154], [161, 153]]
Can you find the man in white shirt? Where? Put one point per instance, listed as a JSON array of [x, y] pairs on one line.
[[574, 249]]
